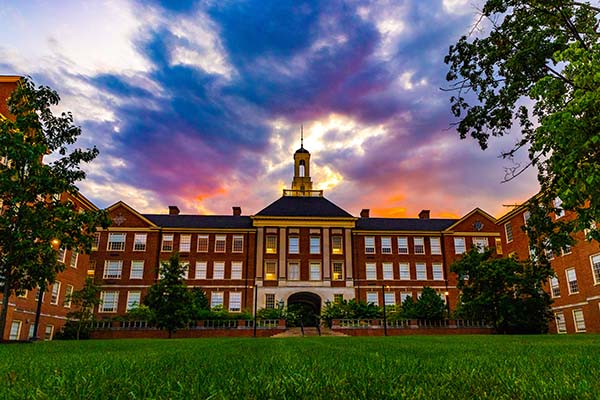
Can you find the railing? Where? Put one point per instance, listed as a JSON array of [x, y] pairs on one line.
[[136, 325], [205, 324], [433, 323], [467, 323], [408, 324], [305, 193], [219, 324]]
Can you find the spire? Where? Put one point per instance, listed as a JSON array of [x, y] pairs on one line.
[[301, 136]]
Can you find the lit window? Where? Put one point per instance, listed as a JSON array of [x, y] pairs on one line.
[[133, 299], [386, 245], [167, 242], [236, 270], [554, 287], [315, 245], [55, 293], [109, 301], [270, 270], [389, 298], [572, 280], [405, 271], [269, 300], [402, 245], [595, 261], [436, 245], [294, 245], [218, 270], [338, 271], [112, 269], [421, 271], [315, 271], [509, 232], [371, 269], [202, 243], [235, 301], [459, 245], [49, 332], [438, 272], [579, 320], [96, 241], [200, 270], [481, 243], [220, 243], [271, 244], [558, 210], [498, 244], [116, 241], [15, 330], [337, 246], [388, 271], [238, 244], [137, 270], [185, 243], [561, 325], [68, 296], [216, 299], [373, 298], [419, 245], [139, 242], [74, 257], [369, 245]]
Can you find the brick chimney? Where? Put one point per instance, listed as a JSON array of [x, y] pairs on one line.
[[364, 213], [424, 214], [173, 210], [237, 211]]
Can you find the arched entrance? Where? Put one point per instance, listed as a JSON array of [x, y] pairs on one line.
[[307, 307]]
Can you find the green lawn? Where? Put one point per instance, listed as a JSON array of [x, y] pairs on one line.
[[427, 367]]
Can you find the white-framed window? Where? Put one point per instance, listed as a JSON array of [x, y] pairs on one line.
[[438, 271], [567, 250], [559, 212], [404, 296], [294, 271], [55, 293], [113, 269], [137, 269], [202, 243], [270, 270], [220, 243], [373, 297], [96, 241], [436, 245], [338, 270], [139, 241], [271, 244], [405, 271], [526, 216], [15, 330], [315, 271], [31, 333], [167, 242], [561, 324], [235, 301], [74, 258], [371, 271], [369, 244], [49, 332], [294, 245], [219, 270], [237, 245], [572, 281], [402, 245], [337, 245], [269, 300], [388, 270], [116, 242], [481, 243], [23, 294], [216, 299], [389, 298], [109, 301], [509, 232], [548, 250], [185, 243], [186, 270], [579, 320], [200, 270], [68, 296], [554, 287], [386, 245], [315, 245], [37, 295], [62, 255], [419, 245], [133, 299], [421, 271], [236, 270], [459, 245], [595, 263]]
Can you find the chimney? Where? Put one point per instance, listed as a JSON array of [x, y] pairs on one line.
[[424, 214], [173, 210], [237, 211], [364, 213]]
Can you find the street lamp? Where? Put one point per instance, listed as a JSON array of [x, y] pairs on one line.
[[446, 293], [55, 244]]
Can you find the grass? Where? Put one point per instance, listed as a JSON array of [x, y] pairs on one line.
[[414, 367]]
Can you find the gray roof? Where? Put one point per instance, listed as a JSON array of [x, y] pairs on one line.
[[303, 206], [403, 224], [200, 221]]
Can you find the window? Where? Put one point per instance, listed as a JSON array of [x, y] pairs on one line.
[[561, 325], [15, 330], [498, 244], [37, 295], [338, 271], [185, 243], [337, 245], [220, 243], [386, 245], [566, 250], [438, 272], [402, 245], [68, 296], [369, 245], [55, 293], [236, 270], [371, 269], [219, 270], [96, 241], [109, 301], [373, 297], [315, 245], [216, 299], [238, 244], [23, 294], [389, 298], [116, 242], [74, 257], [526, 216], [554, 287], [185, 266], [595, 261], [315, 271], [62, 254], [572, 280], [202, 243], [167, 242], [270, 270], [270, 300], [579, 320], [338, 298], [509, 232], [405, 271], [436, 245], [419, 243], [388, 270], [421, 271], [481, 243], [112, 269], [137, 270], [271, 244], [459, 245], [49, 332], [548, 250], [294, 245], [133, 299], [558, 210], [294, 271], [235, 301], [31, 333], [139, 242], [404, 296], [200, 270]]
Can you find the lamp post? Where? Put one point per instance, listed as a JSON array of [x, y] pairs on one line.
[[55, 243], [255, 301], [446, 293], [384, 313]]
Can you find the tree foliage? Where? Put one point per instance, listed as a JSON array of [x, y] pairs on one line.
[[33, 216], [83, 301]]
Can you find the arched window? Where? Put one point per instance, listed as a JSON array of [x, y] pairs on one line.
[[301, 169]]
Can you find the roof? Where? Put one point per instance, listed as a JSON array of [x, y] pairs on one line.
[[301, 150], [303, 206], [403, 224], [200, 221]]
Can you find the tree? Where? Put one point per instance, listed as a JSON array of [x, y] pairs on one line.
[[169, 298], [504, 292], [430, 305], [537, 69], [33, 217], [85, 300]]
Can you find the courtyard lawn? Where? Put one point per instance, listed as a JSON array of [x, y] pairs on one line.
[[426, 367]]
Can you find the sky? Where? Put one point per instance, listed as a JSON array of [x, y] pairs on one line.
[[199, 103]]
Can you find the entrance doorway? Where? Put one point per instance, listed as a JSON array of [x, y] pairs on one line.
[[307, 307]]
